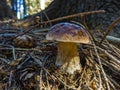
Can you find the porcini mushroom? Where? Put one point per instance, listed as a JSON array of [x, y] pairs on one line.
[[24, 41], [68, 35]]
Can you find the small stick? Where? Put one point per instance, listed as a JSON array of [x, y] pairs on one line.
[[110, 45], [6, 61], [74, 15], [100, 63], [103, 72], [58, 19], [114, 40], [13, 50], [47, 17], [110, 28], [109, 55], [40, 80]]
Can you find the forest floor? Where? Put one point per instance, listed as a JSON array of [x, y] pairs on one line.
[[25, 67]]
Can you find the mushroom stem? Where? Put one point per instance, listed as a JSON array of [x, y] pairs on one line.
[[68, 57]]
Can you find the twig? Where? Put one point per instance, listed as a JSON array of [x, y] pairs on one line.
[[112, 81], [32, 49], [25, 60], [117, 49], [104, 74], [111, 56], [111, 46], [6, 61], [7, 21], [74, 15], [111, 66], [98, 71], [13, 50], [98, 57], [113, 40], [85, 25], [40, 82], [58, 19], [41, 65], [10, 78], [47, 17], [110, 28]]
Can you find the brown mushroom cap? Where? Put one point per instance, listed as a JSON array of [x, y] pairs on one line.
[[68, 32], [24, 41]]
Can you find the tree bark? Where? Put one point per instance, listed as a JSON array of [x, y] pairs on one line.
[[60, 8], [5, 11]]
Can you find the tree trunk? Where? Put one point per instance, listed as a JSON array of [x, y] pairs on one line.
[[60, 8], [5, 11]]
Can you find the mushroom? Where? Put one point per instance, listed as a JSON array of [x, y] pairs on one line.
[[25, 41], [68, 35]]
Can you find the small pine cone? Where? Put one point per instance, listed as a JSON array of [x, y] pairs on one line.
[[24, 41]]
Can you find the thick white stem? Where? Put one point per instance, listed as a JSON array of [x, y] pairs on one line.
[[68, 57]]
